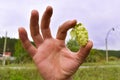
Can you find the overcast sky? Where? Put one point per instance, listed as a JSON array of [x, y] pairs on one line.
[[98, 16]]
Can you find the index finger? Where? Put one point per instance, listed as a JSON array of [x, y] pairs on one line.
[[62, 31]]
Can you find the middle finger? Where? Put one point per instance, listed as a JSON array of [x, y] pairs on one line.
[[34, 28]]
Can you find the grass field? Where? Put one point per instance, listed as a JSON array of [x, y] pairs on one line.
[[93, 73], [98, 74]]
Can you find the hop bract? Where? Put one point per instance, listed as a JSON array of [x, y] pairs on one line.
[[80, 34]]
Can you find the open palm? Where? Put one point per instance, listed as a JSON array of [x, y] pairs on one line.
[[53, 59]]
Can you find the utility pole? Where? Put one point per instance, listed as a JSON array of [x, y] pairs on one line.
[[4, 49], [106, 49], [106, 42]]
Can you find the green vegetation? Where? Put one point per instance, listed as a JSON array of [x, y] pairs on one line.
[[28, 71], [115, 53], [95, 55], [96, 73], [20, 54], [10, 44], [19, 74], [72, 45], [15, 47]]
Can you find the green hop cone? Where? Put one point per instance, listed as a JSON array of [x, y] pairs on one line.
[[80, 34]]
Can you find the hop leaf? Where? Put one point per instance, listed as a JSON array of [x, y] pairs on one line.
[[80, 34]]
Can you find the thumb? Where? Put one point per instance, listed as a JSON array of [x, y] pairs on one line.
[[84, 51]]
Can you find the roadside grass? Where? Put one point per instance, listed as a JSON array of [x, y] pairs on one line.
[[82, 74], [111, 73], [19, 74], [93, 73], [117, 62]]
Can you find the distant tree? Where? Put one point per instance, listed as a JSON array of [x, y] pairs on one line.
[[1, 44], [73, 45], [20, 54], [94, 56], [10, 46]]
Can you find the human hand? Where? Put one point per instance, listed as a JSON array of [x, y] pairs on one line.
[[52, 58]]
